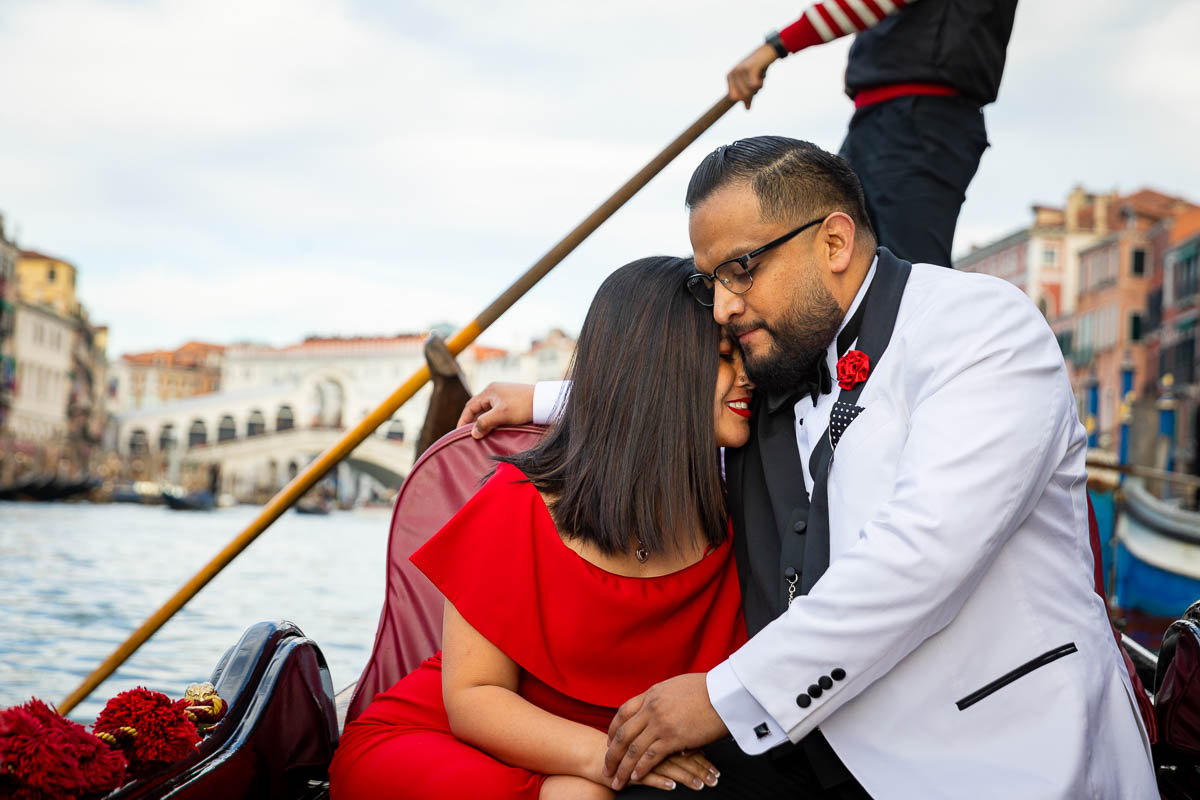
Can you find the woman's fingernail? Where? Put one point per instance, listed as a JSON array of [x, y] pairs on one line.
[[697, 783], [670, 784]]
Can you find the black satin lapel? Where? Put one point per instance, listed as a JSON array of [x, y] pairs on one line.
[[879, 320], [816, 544]]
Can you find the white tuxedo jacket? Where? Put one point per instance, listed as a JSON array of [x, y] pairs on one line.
[[975, 658]]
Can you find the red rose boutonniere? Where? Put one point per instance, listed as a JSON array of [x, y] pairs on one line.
[[852, 369]]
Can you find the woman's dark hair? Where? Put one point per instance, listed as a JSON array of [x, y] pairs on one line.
[[633, 456]]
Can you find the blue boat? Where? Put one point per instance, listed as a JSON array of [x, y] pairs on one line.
[[1157, 553]]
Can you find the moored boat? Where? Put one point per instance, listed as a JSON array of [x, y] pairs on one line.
[[1157, 553], [189, 501]]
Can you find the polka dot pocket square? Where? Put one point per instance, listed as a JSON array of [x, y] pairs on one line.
[[840, 418]]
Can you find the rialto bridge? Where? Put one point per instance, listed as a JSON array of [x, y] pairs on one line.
[[259, 438]]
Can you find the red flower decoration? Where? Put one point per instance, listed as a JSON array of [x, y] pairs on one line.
[[45, 755], [150, 727], [852, 369]]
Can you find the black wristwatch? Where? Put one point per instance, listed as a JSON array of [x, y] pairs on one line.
[[777, 43]]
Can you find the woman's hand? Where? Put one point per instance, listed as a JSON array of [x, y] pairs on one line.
[[689, 768]]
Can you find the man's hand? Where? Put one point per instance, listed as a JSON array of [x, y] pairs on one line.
[[667, 718], [498, 404], [747, 77]]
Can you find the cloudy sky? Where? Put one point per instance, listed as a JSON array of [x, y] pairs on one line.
[[265, 169]]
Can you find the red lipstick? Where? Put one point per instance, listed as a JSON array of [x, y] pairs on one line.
[[741, 412]]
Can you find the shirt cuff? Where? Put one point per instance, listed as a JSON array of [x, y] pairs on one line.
[[754, 730], [549, 399]]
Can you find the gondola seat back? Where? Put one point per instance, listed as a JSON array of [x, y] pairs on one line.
[[278, 735], [439, 484]]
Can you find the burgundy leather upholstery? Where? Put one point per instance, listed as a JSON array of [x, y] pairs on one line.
[[439, 484], [1145, 707], [1178, 698]]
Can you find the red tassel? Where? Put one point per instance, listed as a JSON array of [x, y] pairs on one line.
[[44, 755], [160, 734]]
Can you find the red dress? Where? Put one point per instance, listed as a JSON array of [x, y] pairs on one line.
[[586, 641]]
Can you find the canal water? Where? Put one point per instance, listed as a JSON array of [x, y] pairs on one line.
[[76, 579]]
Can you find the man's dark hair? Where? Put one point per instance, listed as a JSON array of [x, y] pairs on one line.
[[794, 180], [633, 456]]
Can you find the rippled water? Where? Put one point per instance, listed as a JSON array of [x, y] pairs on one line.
[[75, 580]]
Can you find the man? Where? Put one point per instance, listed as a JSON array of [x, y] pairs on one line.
[[923, 621], [919, 73]]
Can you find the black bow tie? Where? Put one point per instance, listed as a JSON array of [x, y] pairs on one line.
[[819, 381]]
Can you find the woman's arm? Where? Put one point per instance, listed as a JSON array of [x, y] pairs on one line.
[[479, 687]]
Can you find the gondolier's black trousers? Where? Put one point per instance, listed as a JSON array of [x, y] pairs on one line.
[[760, 777], [915, 157]]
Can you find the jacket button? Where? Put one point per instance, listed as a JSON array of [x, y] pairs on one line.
[[790, 573], [800, 526], [838, 674], [814, 691], [825, 682], [803, 700]]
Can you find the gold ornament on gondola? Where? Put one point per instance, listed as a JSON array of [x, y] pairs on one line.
[[204, 706]]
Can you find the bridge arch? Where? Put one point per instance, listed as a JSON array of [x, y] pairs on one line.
[[328, 395], [226, 429], [256, 423], [197, 433]]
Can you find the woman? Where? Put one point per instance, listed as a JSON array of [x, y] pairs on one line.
[[584, 571]]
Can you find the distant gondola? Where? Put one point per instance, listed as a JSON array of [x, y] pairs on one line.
[[192, 501]]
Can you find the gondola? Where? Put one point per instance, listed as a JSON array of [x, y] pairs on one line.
[[284, 717], [1157, 553], [191, 501]]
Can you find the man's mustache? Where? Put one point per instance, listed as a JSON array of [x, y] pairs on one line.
[[738, 328]]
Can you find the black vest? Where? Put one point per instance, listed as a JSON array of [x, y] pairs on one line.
[[959, 43]]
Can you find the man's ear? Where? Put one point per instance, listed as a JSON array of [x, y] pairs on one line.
[[838, 232]]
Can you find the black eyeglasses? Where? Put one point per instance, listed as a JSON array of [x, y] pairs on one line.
[[734, 274]]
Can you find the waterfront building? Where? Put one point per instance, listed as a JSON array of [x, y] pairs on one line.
[[141, 380], [1042, 260], [57, 414], [8, 313], [1107, 347], [47, 281], [1173, 308], [42, 347]]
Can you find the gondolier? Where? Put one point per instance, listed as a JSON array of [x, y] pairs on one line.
[[919, 73]]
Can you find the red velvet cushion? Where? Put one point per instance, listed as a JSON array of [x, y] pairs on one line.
[[439, 484]]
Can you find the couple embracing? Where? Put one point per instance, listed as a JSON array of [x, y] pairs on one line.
[[811, 523]]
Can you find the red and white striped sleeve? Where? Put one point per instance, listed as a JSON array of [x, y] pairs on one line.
[[832, 19]]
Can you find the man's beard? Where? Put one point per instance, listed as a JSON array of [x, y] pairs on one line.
[[797, 341]]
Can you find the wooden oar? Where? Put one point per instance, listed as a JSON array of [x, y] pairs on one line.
[[327, 460]]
